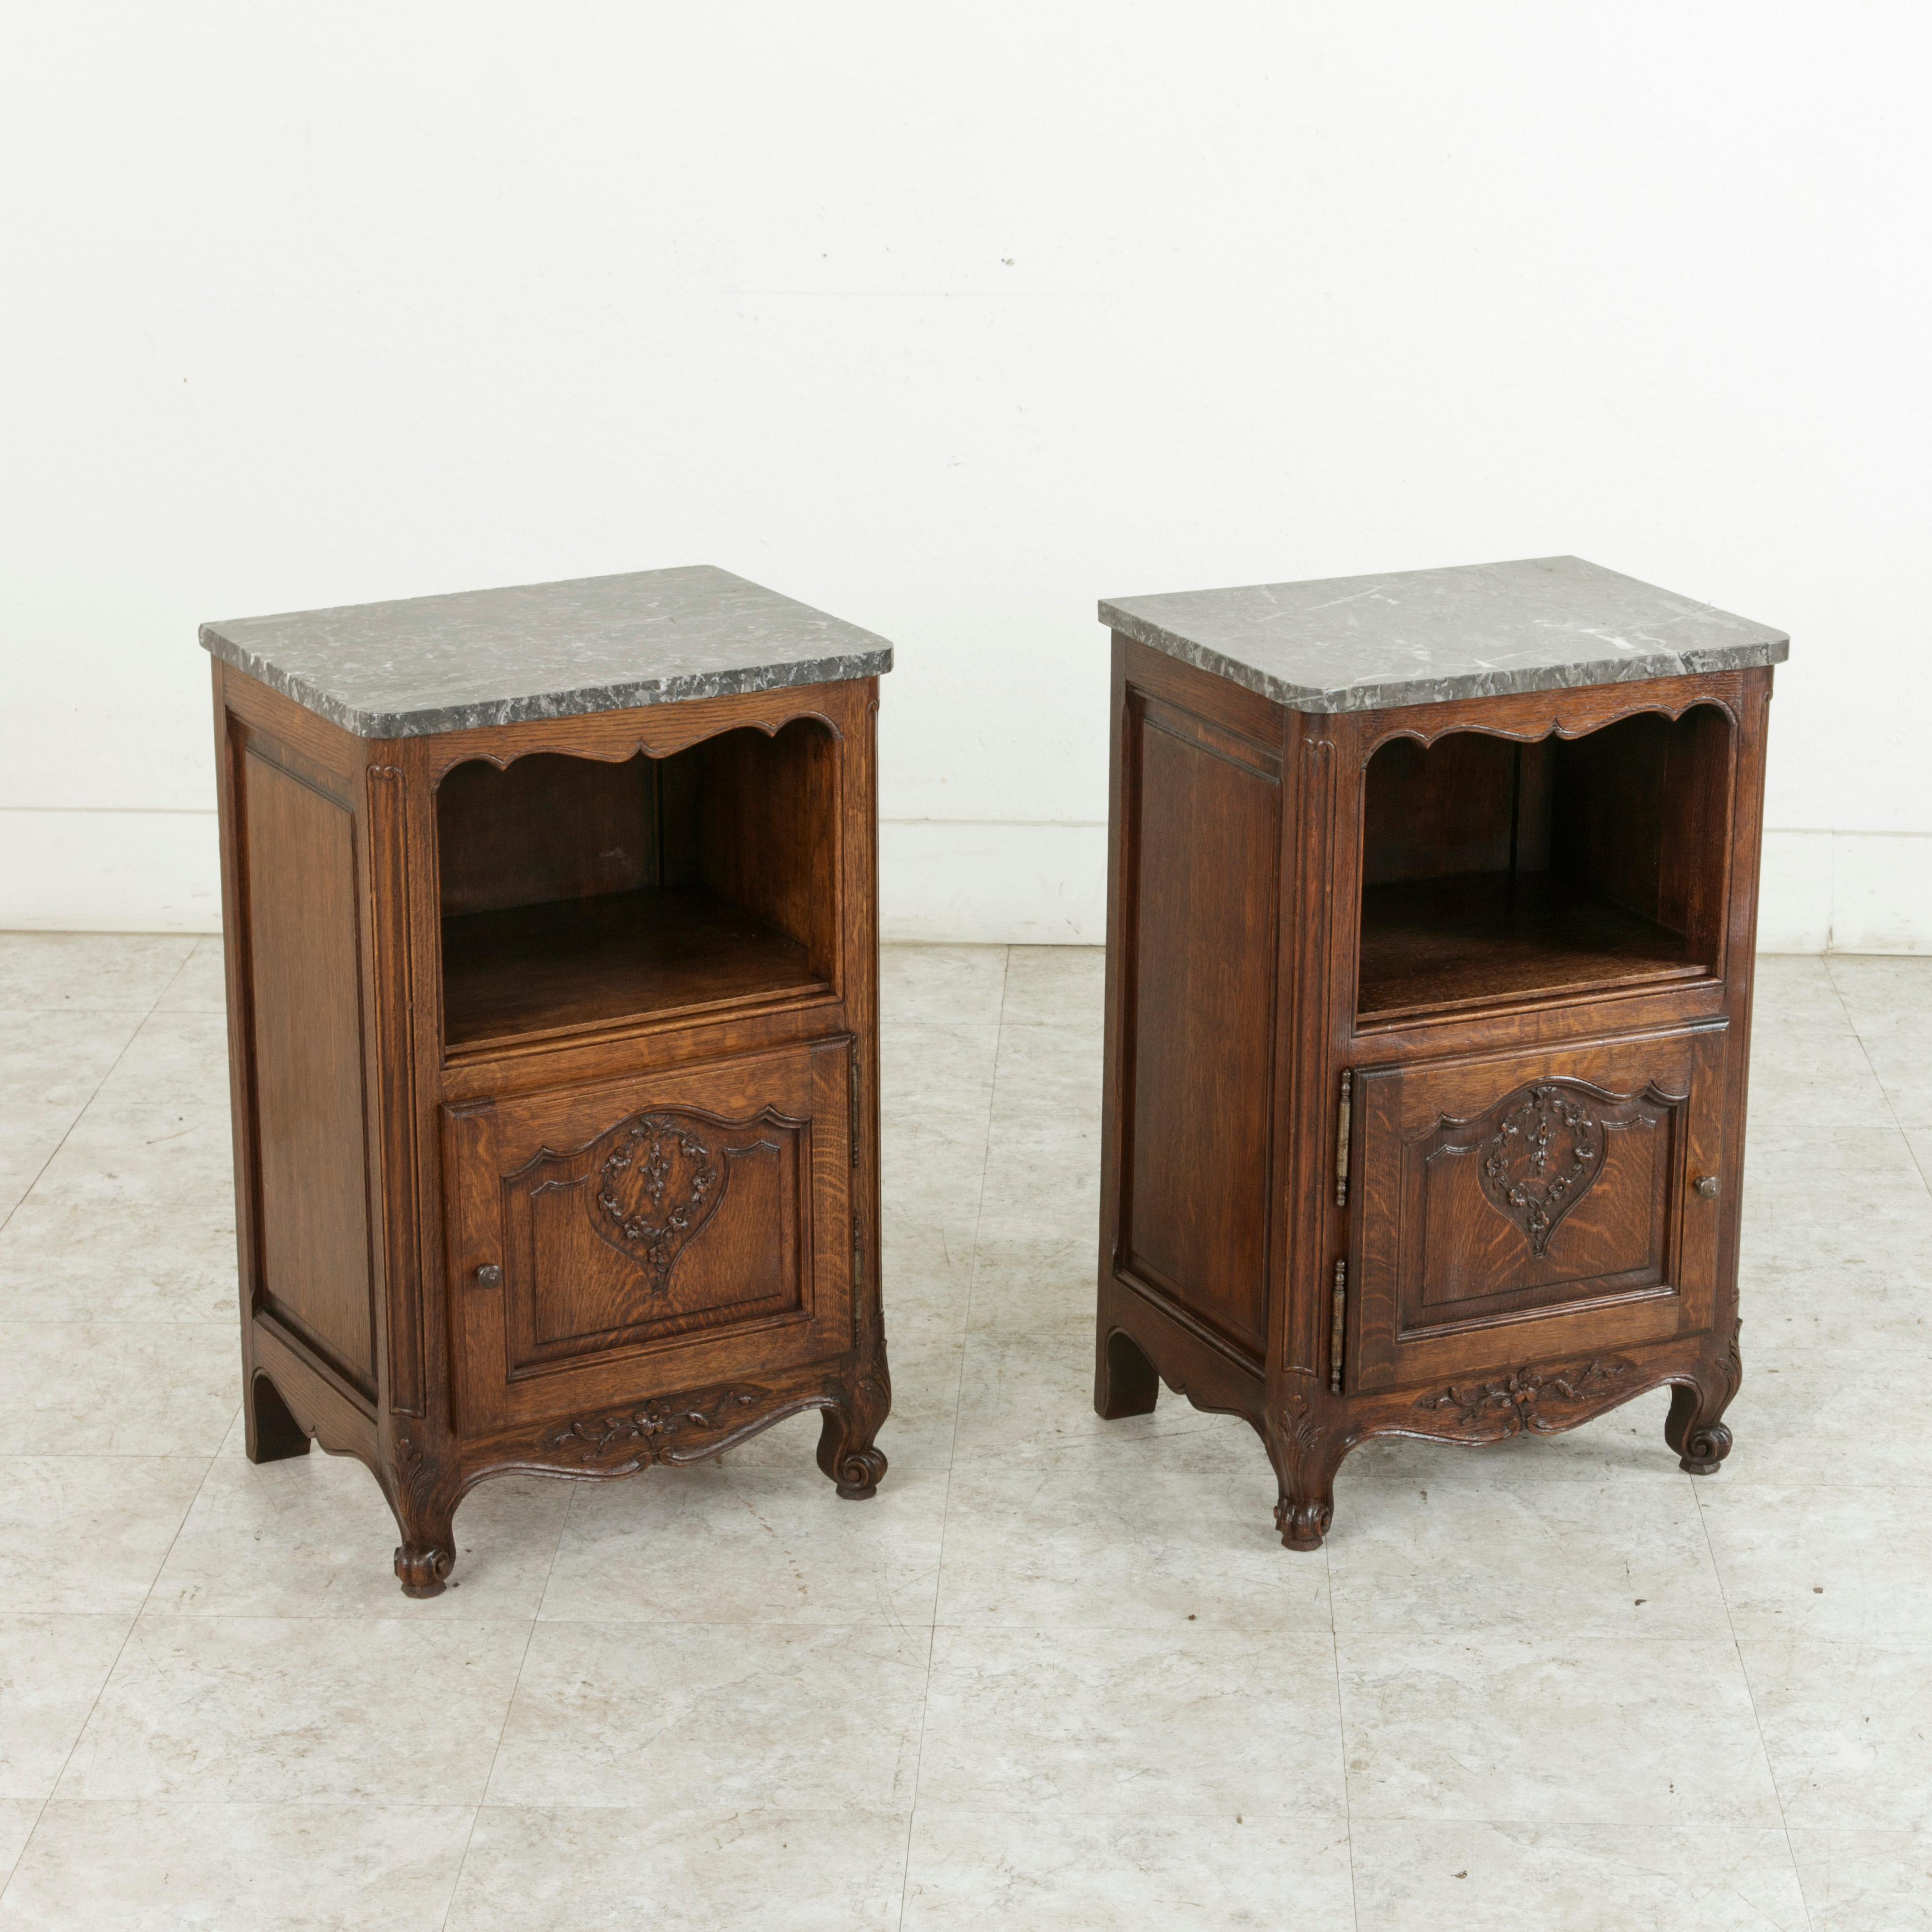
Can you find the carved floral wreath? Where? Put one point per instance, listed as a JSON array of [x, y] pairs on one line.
[[656, 1188]]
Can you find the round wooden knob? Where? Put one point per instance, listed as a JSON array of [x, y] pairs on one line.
[[489, 1275], [1708, 1187]]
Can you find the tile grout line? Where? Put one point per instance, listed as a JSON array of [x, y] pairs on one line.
[[208, 1469], [1341, 1736], [1744, 1671], [79, 1112], [509, 1705], [952, 1452], [8, 1876], [1837, 993], [133, 1624], [1703, 1514], [1898, 1127]]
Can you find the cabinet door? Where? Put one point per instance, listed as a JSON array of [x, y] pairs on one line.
[[1514, 1207], [611, 1243]]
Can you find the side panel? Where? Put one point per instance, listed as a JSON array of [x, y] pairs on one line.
[[311, 1156], [1202, 805]]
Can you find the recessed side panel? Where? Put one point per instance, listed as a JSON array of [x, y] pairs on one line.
[[310, 1156], [1205, 809]]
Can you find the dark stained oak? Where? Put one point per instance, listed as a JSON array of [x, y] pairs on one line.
[[588, 1224], [555, 1065], [1426, 1036], [1211, 811], [1435, 945], [1495, 869], [547, 827], [578, 894], [305, 1051], [1520, 1194], [536, 972]]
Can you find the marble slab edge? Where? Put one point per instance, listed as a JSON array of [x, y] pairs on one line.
[[428, 720], [1390, 694]]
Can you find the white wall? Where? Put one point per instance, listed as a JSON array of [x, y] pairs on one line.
[[951, 323]]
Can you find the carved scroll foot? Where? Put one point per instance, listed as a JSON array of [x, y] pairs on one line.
[[846, 1452], [1702, 1442], [859, 1473], [422, 1495], [1125, 1382], [851, 1461], [273, 1434], [1303, 1522], [423, 1568], [1305, 1458]]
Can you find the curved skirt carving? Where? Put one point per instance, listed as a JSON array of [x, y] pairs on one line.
[[1544, 1400]]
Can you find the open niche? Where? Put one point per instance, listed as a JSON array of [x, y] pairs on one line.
[[1494, 871], [579, 895]]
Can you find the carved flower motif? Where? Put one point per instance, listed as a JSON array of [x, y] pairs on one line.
[[1547, 1151], [639, 1434], [1517, 1400], [657, 1187]]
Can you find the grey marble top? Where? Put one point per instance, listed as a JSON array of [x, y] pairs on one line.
[[1422, 636], [426, 665]]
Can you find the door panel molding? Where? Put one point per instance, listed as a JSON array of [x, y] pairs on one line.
[[670, 1216], [1515, 1205]]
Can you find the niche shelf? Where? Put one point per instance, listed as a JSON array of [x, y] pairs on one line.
[[578, 896], [1498, 871]]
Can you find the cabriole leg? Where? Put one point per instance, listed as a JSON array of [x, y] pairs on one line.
[[1305, 1461], [846, 1452], [423, 1499], [1694, 1430]]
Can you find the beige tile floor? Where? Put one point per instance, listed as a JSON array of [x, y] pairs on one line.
[[1059, 1673]]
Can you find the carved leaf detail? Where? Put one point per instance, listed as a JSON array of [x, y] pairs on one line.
[[648, 1433], [1298, 1414], [420, 1476], [1518, 1401], [657, 1187], [1547, 1151]]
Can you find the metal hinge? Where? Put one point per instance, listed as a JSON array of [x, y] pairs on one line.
[[1335, 1325], [858, 1256], [854, 1066], [1341, 1115]]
